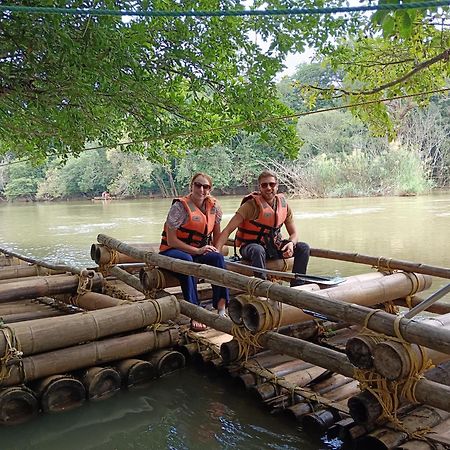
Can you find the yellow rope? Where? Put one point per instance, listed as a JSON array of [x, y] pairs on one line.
[[85, 284], [113, 260], [388, 393], [13, 353]]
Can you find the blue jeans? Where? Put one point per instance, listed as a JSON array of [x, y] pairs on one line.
[[188, 283], [256, 254]]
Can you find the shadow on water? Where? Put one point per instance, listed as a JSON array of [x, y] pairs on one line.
[[185, 410]]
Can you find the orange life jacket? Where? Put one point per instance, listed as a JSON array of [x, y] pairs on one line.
[[198, 229], [268, 223]]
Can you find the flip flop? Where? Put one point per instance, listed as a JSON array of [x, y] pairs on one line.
[[197, 326]]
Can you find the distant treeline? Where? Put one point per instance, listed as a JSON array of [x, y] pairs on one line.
[[339, 157]]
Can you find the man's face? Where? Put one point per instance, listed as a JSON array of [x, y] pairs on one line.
[[268, 187]]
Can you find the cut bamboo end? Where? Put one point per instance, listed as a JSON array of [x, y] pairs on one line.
[[254, 316], [391, 360], [297, 411], [364, 408], [135, 372], [359, 351], [320, 421], [235, 308], [167, 361], [18, 404], [229, 351], [60, 393], [101, 382]]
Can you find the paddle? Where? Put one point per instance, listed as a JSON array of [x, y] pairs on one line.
[[296, 276]]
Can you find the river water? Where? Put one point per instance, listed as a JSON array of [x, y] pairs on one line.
[[190, 409]]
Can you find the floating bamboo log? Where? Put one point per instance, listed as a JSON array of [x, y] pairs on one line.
[[17, 405], [41, 263], [93, 300], [88, 355], [381, 322], [135, 372], [101, 382], [328, 392], [44, 286], [48, 334], [394, 361], [60, 393], [320, 421], [420, 418], [166, 361], [382, 262], [26, 271], [261, 314], [429, 392]]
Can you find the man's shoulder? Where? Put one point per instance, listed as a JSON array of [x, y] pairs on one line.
[[247, 209]]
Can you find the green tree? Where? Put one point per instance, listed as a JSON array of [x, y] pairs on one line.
[[71, 79], [23, 180]]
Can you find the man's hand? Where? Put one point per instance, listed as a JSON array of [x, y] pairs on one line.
[[288, 250]]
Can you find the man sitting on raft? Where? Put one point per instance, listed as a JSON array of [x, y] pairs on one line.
[[258, 221]]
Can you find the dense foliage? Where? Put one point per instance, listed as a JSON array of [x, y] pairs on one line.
[[137, 106], [163, 84]]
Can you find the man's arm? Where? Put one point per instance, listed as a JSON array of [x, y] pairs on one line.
[[235, 221], [288, 249]]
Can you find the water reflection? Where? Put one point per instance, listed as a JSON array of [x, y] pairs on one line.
[[182, 411]]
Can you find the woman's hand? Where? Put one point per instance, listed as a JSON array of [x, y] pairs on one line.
[[206, 249]]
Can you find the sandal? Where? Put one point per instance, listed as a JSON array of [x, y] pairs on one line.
[[197, 326]]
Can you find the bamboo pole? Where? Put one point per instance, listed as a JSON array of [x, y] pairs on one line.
[[40, 262], [428, 392], [57, 332], [383, 262], [261, 314], [420, 418], [93, 300], [26, 271], [27, 316], [381, 322], [43, 286], [101, 382], [88, 355]]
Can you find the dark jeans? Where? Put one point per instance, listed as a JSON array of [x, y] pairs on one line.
[[256, 253], [188, 283]]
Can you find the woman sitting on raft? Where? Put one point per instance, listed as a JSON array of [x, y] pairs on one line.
[[192, 228]]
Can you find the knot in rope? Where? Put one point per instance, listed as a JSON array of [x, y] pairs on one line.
[[13, 352]]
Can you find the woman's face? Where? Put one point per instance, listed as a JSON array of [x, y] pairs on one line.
[[200, 189]]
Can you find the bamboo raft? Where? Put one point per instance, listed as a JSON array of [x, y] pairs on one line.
[[340, 360]]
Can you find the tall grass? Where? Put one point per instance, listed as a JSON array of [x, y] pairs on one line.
[[396, 170]]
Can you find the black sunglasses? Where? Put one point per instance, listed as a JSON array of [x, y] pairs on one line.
[[206, 187], [271, 184]]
